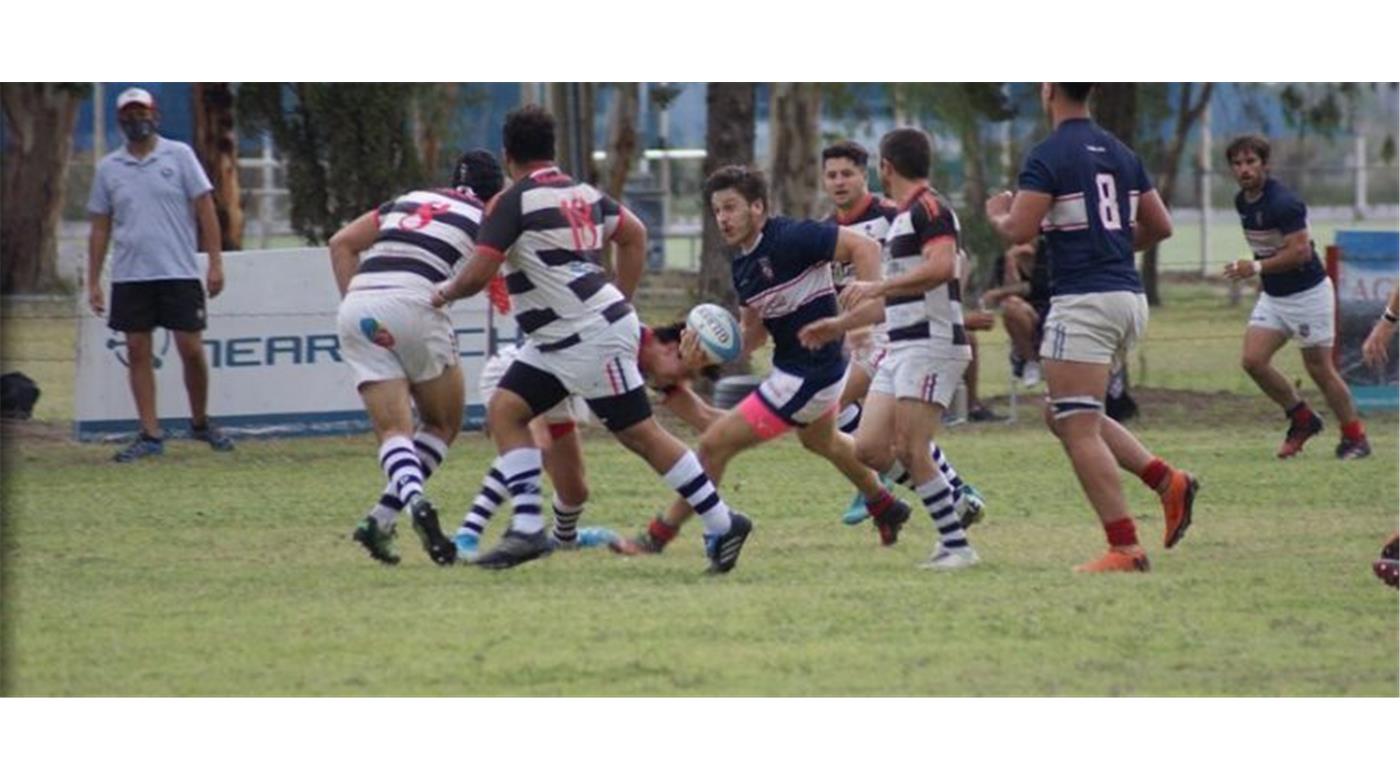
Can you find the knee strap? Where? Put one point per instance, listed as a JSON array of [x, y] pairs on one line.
[[1075, 404]]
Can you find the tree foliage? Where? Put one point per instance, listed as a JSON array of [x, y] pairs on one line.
[[347, 147]]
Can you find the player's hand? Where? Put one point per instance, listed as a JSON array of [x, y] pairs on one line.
[[999, 205], [692, 356], [979, 320], [96, 299], [440, 295], [215, 280], [856, 293], [1240, 269], [1375, 352], [815, 334], [989, 300]]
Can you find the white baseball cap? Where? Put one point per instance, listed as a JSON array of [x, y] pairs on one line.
[[135, 95]]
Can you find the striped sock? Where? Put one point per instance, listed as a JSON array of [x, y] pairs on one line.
[[566, 521], [432, 451], [849, 419], [689, 479], [949, 473], [521, 469], [937, 496], [492, 494], [897, 474], [399, 460]]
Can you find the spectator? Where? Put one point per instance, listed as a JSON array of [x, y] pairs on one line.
[[1023, 295], [151, 193]]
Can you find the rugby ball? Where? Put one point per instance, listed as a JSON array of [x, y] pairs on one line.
[[718, 331]]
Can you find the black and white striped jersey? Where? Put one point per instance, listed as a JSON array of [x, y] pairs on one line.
[[550, 232], [423, 236], [933, 317], [871, 218]]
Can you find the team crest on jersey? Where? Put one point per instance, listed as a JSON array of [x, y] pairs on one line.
[[1303, 330], [167, 172], [765, 266], [376, 333]]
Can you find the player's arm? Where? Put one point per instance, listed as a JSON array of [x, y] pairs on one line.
[[939, 266], [1375, 351], [347, 244], [630, 238], [99, 236], [752, 330], [863, 255], [1296, 250], [686, 404], [1017, 218], [500, 227], [1154, 222]]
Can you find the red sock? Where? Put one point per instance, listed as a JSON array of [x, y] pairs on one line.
[[1121, 532], [662, 532], [1153, 473], [1301, 413], [1354, 430], [880, 504]]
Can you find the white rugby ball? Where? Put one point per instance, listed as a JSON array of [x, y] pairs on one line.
[[718, 331]]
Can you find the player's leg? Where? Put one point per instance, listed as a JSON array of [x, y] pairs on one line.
[[563, 462], [1019, 319], [924, 386], [1176, 488], [874, 448], [1318, 362], [822, 438], [731, 434], [1269, 329], [851, 406]]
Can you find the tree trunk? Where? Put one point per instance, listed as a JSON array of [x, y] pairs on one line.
[[39, 121], [572, 106], [1188, 112], [623, 141], [729, 139], [216, 145], [795, 113]]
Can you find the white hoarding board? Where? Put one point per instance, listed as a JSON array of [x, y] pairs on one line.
[[274, 357]]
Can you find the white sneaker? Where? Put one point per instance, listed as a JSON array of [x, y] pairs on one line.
[[944, 559], [1030, 375]]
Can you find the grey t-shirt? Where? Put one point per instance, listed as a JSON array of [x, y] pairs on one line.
[[151, 202]]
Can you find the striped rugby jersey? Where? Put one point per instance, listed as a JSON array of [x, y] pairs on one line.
[[423, 236], [1266, 221], [550, 232], [1096, 182], [932, 318], [870, 218]]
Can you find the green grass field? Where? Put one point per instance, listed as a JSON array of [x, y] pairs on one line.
[[210, 574]]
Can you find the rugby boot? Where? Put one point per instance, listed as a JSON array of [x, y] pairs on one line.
[[1297, 434], [514, 549], [1116, 561], [723, 549], [888, 522], [425, 523], [1176, 506], [378, 542]]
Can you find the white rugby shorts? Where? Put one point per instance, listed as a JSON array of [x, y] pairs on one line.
[[1307, 316], [1094, 327], [913, 372], [571, 409], [395, 334]]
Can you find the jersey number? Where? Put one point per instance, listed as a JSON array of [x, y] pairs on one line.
[[580, 217], [1108, 201]]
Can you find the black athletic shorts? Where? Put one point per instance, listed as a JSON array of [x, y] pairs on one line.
[[173, 304], [543, 391]]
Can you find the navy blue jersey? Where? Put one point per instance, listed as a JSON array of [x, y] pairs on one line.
[[1096, 182], [1266, 221], [786, 280]]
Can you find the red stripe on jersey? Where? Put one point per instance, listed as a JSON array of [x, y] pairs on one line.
[[856, 212]]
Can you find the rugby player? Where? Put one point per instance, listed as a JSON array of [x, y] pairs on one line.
[[1297, 301], [782, 273], [1098, 206], [402, 349], [582, 338], [928, 346]]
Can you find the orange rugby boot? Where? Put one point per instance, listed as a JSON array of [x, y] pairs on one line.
[[1116, 560], [1176, 504]]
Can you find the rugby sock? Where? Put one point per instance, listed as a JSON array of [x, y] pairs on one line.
[[1299, 413], [689, 479], [1155, 475], [661, 532], [949, 473], [566, 521], [849, 419], [1121, 532], [880, 503], [431, 453], [898, 474], [1354, 430], [521, 469], [492, 494], [400, 463], [937, 496]]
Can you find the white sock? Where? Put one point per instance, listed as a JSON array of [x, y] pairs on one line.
[[937, 496], [688, 478], [399, 460], [492, 494], [432, 451]]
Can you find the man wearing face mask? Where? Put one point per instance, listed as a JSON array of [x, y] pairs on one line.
[[155, 199]]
